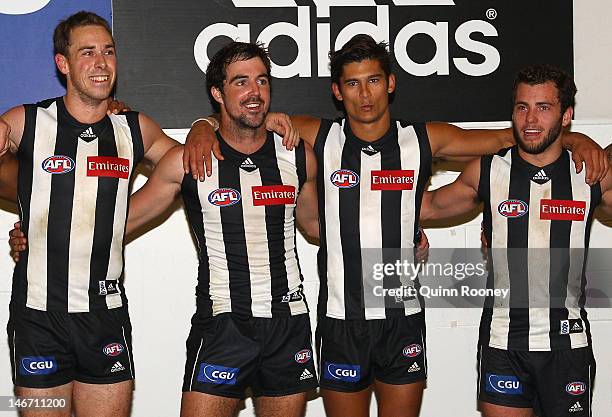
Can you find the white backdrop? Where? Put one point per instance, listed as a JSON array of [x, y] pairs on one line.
[[161, 271]]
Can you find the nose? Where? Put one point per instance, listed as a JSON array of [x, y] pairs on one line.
[[531, 116], [364, 90], [100, 61]]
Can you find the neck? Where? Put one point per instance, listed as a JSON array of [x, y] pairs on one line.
[[85, 109], [550, 155], [243, 139], [371, 130]]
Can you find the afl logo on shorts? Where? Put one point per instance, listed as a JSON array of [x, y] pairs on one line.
[[303, 356], [412, 350], [575, 388], [512, 208], [224, 197], [58, 164], [344, 178], [113, 349]]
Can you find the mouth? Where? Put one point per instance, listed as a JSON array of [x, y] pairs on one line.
[[532, 133], [253, 105], [367, 107], [99, 78]]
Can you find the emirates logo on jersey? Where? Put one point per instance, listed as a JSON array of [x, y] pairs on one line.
[[562, 210], [273, 195], [513, 208], [401, 179], [344, 178], [108, 166], [224, 197], [58, 164]]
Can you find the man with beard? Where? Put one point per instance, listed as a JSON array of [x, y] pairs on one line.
[[372, 172], [251, 327], [535, 357]]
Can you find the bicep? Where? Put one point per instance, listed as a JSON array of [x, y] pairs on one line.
[[156, 142], [15, 118], [307, 126], [448, 141], [8, 177]]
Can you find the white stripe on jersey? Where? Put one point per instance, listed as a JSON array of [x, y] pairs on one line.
[[213, 233], [500, 188], [576, 260], [291, 264], [125, 149], [332, 159], [46, 127], [255, 235], [410, 157], [370, 228], [538, 268], [82, 228]]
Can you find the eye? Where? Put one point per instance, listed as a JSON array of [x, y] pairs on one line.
[[374, 80], [351, 83], [263, 81], [87, 53], [521, 107], [110, 52], [544, 107]]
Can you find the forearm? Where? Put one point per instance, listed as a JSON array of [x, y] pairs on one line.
[[8, 177], [451, 142]]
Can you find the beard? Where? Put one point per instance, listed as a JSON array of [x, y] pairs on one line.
[[249, 121], [537, 148]]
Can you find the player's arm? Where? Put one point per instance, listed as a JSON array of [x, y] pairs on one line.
[[606, 188], [202, 142], [11, 129], [306, 212], [156, 142], [459, 197], [159, 191], [8, 177]]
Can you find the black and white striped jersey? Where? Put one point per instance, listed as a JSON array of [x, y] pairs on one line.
[[73, 198], [369, 197], [540, 214], [243, 218]]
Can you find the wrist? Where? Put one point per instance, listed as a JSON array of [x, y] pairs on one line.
[[214, 123]]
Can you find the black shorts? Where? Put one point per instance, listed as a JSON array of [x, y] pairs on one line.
[[554, 384], [353, 353], [52, 348], [227, 354]]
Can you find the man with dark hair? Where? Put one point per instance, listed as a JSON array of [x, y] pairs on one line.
[[535, 355], [372, 172], [69, 330]]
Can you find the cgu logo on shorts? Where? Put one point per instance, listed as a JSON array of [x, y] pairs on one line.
[[513, 208], [401, 179], [504, 384], [224, 197], [58, 164], [216, 374], [575, 388], [562, 210], [303, 356], [108, 166], [273, 195], [342, 372], [412, 350], [488, 61], [38, 365], [113, 349], [344, 178]]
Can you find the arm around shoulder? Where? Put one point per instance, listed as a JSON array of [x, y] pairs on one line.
[[308, 127], [156, 142], [307, 214]]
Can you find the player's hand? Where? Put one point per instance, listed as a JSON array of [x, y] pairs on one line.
[[17, 241], [422, 247], [596, 160], [281, 124], [5, 142], [116, 107], [201, 143]]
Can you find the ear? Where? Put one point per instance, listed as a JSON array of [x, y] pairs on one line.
[[62, 64], [217, 94], [391, 82], [566, 119], [336, 91]]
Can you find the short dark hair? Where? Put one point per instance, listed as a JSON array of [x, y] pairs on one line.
[[216, 71], [543, 73], [359, 48], [61, 35]]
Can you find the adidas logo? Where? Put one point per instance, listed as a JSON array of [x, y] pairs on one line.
[[306, 375], [88, 134], [117, 367], [414, 367], [540, 176], [576, 407], [577, 327], [369, 150], [248, 165]]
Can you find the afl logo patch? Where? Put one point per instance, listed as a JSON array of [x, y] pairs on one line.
[[344, 178], [224, 197], [513, 208], [58, 164]]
